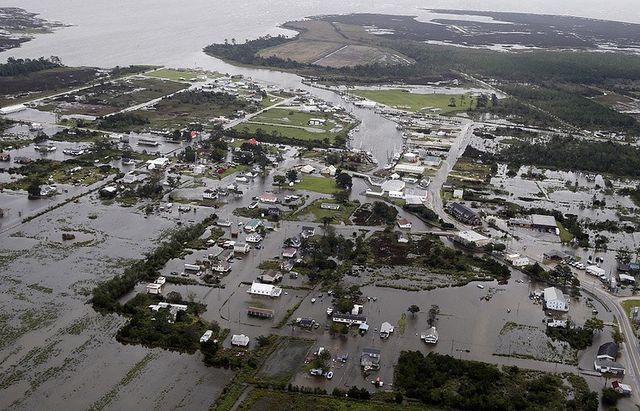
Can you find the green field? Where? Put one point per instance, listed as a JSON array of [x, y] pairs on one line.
[[317, 184], [627, 305], [290, 132], [403, 99], [177, 75], [337, 216], [295, 124]]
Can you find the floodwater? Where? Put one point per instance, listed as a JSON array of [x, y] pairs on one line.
[[56, 350]]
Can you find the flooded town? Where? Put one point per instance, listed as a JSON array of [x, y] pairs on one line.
[[322, 220]]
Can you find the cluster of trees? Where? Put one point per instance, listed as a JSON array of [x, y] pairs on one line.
[[122, 121], [16, 67], [578, 337], [106, 295], [153, 328], [444, 381], [568, 104], [571, 153], [381, 211], [353, 393], [247, 52], [276, 138]]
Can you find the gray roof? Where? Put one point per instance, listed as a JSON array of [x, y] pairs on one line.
[[543, 220]]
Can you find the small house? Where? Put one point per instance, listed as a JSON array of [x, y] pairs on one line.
[[307, 232], [330, 170], [240, 340], [221, 267], [289, 252], [307, 169], [370, 359], [404, 224], [386, 329], [252, 225]]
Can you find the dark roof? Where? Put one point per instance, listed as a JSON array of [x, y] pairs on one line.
[[609, 349], [555, 254], [369, 350], [462, 210]]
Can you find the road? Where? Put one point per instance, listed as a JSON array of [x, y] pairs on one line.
[[434, 198]]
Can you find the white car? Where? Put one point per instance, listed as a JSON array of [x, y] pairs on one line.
[[313, 300]]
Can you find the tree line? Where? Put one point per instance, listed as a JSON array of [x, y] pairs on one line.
[[16, 67]]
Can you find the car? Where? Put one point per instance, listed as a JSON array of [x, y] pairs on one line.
[[313, 300], [315, 371], [329, 375]]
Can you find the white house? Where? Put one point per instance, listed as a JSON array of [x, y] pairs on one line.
[[240, 340], [554, 300], [289, 252], [265, 289], [241, 248], [269, 198], [329, 170], [221, 267], [385, 330], [307, 169], [404, 224], [154, 288], [253, 238]]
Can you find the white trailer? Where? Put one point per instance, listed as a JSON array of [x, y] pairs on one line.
[[191, 267]]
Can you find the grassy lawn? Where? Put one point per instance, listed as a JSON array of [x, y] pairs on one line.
[[232, 170], [565, 235], [286, 131], [337, 216], [317, 184], [627, 305], [416, 102], [172, 74]]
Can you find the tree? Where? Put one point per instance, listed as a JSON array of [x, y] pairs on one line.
[[609, 396], [616, 335], [452, 102], [326, 220], [413, 309], [34, 189], [279, 180], [594, 324], [189, 154], [341, 196], [292, 175], [174, 297], [344, 181]]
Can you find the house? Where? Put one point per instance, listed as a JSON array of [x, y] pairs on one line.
[[252, 225], [270, 277], [307, 169], [607, 366], [289, 252], [431, 336], [268, 198], [463, 213], [260, 312], [265, 289], [554, 255], [305, 322], [241, 248], [348, 319], [554, 300], [557, 323], [517, 260], [608, 351], [363, 328], [357, 309], [221, 267], [396, 194], [385, 330], [317, 122], [370, 359], [239, 340], [404, 224], [621, 388], [293, 242], [253, 238], [158, 163], [307, 232], [330, 206], [173, 309], [129, 178], [225, 255], [154, 288], [330, 170]]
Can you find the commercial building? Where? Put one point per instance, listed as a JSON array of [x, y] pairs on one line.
[[463, 213], [554, 300], [267, 290], [470, 238]]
